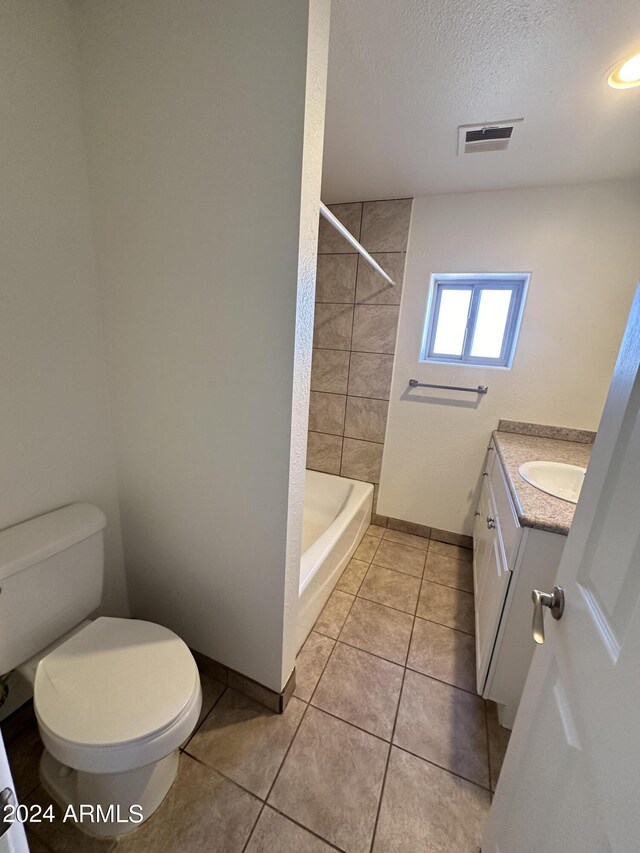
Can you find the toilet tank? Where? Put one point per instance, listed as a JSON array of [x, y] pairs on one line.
[[51, 573]]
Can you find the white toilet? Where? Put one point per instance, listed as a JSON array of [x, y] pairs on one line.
[[114, 698]]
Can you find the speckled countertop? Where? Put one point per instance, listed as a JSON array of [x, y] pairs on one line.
[[535, 508]]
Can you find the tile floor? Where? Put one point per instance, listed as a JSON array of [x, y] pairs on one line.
[[384, 747]]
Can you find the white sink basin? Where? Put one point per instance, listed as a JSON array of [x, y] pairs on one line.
[[555, 478]]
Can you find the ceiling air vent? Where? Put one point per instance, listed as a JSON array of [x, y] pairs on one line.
[[492, 136]]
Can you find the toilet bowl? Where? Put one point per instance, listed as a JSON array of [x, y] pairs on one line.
[[114, 698], [113, 704]]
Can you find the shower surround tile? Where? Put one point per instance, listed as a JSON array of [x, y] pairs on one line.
[[375, 328], [330, 371], [326, 412], [361, 460], [336, 278], [366, 419], [372, 289], [385, 225], [355, 328], [370, 375], [324, 452], [330, 241], [332, 326]]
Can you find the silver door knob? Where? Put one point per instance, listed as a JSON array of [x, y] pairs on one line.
[[555, 603], [491, 522]]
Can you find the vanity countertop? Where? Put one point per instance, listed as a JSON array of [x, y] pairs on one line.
[[533, 507]]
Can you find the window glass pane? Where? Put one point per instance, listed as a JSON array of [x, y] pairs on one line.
[[452, 321], [493, 311]]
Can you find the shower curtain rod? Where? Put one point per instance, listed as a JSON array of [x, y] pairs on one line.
[[324, 210]]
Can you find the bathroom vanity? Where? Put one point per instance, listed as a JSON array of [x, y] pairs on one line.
[[519, 536]]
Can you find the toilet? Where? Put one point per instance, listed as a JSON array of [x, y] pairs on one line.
[[114, 698]]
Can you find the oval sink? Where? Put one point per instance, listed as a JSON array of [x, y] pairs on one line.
[[555, 478]]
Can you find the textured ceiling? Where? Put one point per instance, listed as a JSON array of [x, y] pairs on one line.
[[404, 74]]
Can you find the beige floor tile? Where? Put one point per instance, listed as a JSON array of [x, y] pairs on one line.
[[212, 690], [444, 654], [310, 663], [419, 542], [334, 614], [367, 548], [445, 725], [394, 589], [454, 551], [352, 576], [58, 836], [376, 530], [429, 810], [203, 811], [275, 832], [400, 558], [360, 688], [498, 743], [379, 630], [245, 741], [331, 780], [449, 571], [447, 606]]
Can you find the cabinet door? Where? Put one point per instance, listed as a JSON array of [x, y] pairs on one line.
[[481, 539], [489, 603]]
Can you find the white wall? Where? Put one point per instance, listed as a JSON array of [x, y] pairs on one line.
[[195, 118], [56, 444], [581, 244]]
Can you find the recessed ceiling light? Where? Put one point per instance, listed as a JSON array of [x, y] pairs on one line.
[[626, 73]]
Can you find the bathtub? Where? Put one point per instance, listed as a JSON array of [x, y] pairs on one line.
[[337, 512]]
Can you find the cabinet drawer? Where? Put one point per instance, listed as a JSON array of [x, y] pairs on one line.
[[507, 520]]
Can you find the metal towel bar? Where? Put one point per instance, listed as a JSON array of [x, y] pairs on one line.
[[480, 389]]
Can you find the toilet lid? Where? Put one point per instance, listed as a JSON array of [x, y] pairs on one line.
[[117, 680]]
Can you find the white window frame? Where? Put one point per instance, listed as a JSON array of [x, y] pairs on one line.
[[518, 283]]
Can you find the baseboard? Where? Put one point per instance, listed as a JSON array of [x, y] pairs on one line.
[[247, 686]]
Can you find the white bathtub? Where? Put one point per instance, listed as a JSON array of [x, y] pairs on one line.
[[337, 513]]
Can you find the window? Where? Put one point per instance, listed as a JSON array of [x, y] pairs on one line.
[[474, 319]]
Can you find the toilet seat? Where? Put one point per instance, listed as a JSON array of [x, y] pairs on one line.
[[119, 694]]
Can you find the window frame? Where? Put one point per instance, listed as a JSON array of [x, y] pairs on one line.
[[517, 283]]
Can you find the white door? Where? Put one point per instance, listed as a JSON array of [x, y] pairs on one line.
[[571, 777], [12, 837]]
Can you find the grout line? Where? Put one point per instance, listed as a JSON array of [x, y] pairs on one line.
[[306, 828], [350, 723], [393, 731], [221, 773], [206, 716], [441, 767]]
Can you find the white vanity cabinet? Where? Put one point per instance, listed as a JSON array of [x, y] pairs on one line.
[[509, 561]]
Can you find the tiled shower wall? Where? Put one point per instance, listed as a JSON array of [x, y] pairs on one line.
[[356, 320]]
